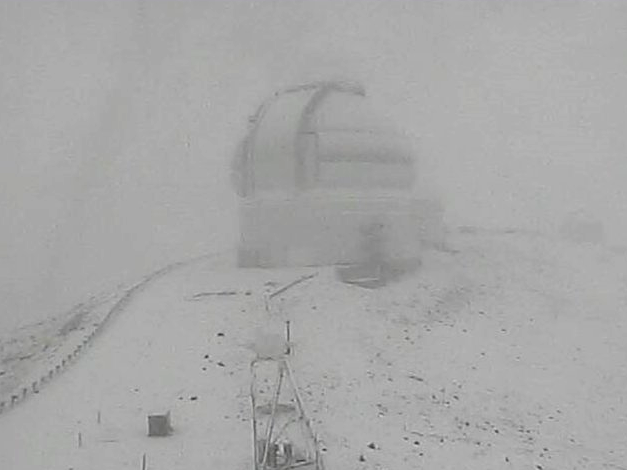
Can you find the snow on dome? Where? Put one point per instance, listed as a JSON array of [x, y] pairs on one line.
[[342, 111]]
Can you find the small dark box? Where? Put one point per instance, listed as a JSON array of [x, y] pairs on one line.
[[159, 424]]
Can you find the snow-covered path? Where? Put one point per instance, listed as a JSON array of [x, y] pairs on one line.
[[151, 358], [507, 352]]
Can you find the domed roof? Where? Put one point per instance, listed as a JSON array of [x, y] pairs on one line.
[[302, 134], [349, 112]]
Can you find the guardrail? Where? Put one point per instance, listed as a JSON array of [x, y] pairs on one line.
[[21, 393]]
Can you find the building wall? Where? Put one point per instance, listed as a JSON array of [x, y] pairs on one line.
[[326, 231]]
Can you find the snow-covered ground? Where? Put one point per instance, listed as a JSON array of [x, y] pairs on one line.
[[506, 351], [28, 353]]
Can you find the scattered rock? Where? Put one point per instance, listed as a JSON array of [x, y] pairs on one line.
[[372, 445], [220, 334], [362, 458], [193, 398], [220, 363]]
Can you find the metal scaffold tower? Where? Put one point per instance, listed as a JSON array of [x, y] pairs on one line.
[[282, 434]]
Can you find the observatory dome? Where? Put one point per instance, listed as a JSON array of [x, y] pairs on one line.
[[323, 136]]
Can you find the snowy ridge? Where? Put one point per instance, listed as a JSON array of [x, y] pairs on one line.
[[56, 345], [503, 352]]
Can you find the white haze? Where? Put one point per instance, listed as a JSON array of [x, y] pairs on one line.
[[118, 119]]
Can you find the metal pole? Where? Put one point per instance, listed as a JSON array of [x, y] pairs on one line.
[[254, 413], [275, 402], [299, 401]]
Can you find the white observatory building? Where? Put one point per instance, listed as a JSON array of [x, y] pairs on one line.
[[318, 173]]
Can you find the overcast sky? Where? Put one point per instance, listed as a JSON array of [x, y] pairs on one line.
[[118, 119]]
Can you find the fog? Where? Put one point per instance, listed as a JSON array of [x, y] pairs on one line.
[[118, 120]]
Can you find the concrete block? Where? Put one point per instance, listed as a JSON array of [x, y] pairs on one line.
[[159, 424]]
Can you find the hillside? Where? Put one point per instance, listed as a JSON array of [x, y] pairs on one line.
[[505, 351]]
